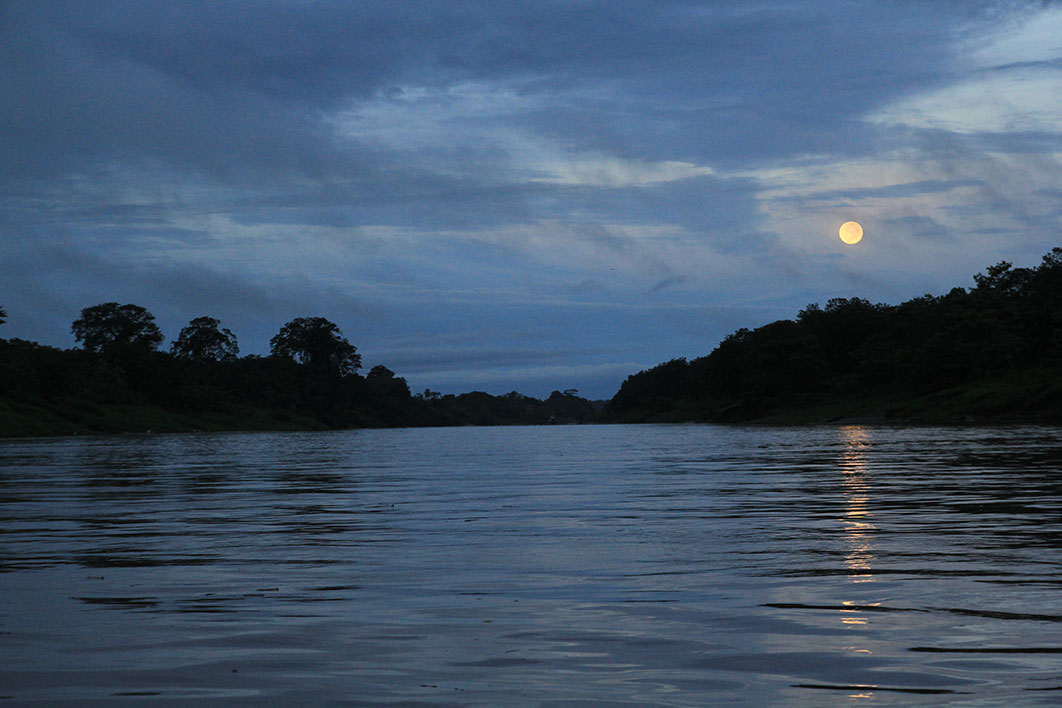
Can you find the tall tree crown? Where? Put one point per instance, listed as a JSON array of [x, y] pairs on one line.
[[204, 340], [316, 342], [109, 325]]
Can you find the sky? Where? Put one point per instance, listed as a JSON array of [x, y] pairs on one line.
[[521, 195]]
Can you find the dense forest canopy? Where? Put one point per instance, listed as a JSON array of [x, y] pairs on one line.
[[1008, 325]]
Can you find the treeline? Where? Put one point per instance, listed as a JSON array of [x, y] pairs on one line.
[[120, 381], [991, 351]]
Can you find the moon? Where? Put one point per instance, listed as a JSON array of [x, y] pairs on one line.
[[851, 232]]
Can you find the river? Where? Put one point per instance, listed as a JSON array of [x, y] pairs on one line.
[[682, 565]]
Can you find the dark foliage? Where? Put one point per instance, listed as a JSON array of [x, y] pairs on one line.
[[318, 343], [113, 328], [1010, 322], [309, 381], [202, 340]]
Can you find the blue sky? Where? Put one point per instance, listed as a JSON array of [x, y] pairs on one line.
[[516, 196]]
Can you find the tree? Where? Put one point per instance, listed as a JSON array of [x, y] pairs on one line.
[[382, 381], [111, 326], [1004, 278], [380, 373], [3, 316], [201, 341], [318, 343]]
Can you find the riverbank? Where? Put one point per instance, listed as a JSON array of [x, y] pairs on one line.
[[29, 416], [72, 416], [1032, 396]]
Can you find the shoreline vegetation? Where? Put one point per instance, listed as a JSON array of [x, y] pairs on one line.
[[989, 354], [119, 382], [257, 395]]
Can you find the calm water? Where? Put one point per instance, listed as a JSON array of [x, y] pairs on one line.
[[555, 566]]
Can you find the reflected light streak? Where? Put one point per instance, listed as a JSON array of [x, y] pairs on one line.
[[858, 531], [857, 527]]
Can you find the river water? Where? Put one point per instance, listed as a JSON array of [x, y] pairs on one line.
[[549, 566]]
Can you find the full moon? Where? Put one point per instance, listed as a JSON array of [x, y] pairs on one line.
[[851, 232]]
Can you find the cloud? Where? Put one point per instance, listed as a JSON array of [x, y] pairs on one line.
[[477, 128], [1021, 99], [921, 227], [614, 172], [667, 283], [1013, 83], [1034, 35]]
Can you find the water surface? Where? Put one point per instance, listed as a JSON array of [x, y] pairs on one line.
[[551, 566]]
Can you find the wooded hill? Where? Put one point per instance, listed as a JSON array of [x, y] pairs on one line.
[[989, 353]]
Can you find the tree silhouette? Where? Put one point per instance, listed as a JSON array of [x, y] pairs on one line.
[[110, 326], [382, 381], [318, 343], [1007, 326], [3, 316], [202, 340]]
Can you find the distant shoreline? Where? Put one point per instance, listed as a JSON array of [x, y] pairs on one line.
[[44, 422]]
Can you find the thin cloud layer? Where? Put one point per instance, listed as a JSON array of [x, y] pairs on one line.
[[528, 196]]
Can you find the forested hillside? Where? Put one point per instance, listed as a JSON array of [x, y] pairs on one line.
[[993, 351]]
